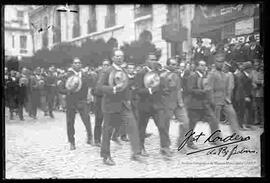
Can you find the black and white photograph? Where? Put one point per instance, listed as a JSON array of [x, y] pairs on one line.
[[94, 91]]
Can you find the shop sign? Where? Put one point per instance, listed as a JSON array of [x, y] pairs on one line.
[[244, 38]]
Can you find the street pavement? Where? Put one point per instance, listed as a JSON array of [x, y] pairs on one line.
[[37, 149]]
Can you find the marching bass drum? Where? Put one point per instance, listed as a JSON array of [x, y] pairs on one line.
[[119, 78]]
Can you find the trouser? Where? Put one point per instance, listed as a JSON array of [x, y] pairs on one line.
[[98, 120], [111, 121], [245, 114], [259, 109], [50, 97], [20, 109], [35, 97], [181, 116], [161, 118], [81, 107], [205, 114], [230, 115]]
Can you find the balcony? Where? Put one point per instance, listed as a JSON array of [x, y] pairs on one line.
[[142, 10]]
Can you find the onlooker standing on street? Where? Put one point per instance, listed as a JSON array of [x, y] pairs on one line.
[[258, 95], [243, 95]]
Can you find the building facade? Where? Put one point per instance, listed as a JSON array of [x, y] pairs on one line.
[[18, 38], [122, 22]]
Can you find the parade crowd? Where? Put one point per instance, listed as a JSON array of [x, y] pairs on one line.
[[124, 96]]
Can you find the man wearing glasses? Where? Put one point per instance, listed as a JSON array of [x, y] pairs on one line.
[[76, 100]]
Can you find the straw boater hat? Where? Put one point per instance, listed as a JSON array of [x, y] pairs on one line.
[[73, 83], [118, 77]]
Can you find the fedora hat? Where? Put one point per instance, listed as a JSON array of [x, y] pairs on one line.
[[151, 79], [120, 78], [73, 83]]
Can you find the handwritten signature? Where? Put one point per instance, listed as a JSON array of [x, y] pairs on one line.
[[225, 151], [221, 149]]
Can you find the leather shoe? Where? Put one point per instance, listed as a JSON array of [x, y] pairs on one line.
[[136, 157], [72, 146], [167, 152], [147, 135], [108, 161], [98, 144], [117, 141], [90, 142], [51, 115], [144, 153], [124, 138]]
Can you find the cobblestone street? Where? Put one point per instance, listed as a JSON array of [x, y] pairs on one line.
[[39, 149]]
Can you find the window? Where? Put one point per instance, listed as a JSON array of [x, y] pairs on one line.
[[57, 28], [13, 41], [142, 10], [110, 17], [76, 23], [23, 44], [92, 22], [20, 14]]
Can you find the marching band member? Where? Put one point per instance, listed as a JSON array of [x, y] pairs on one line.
[[116, 106], [76, 89], [152, 103], [22, 92], [198, 103]]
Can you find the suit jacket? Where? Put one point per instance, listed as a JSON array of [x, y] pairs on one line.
[[196, 95], [81, 95], [161, 98], [217, 82], [112, 103]]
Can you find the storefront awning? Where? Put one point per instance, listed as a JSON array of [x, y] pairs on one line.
[[209, 20]]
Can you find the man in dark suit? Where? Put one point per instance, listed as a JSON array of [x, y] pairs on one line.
[[198, 102], [12, 92], [77, 101], [116, 107], [97, 102], [154, 103], [243, 96]]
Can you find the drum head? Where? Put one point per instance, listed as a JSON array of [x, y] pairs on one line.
[[151, 79], [118, 78]]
